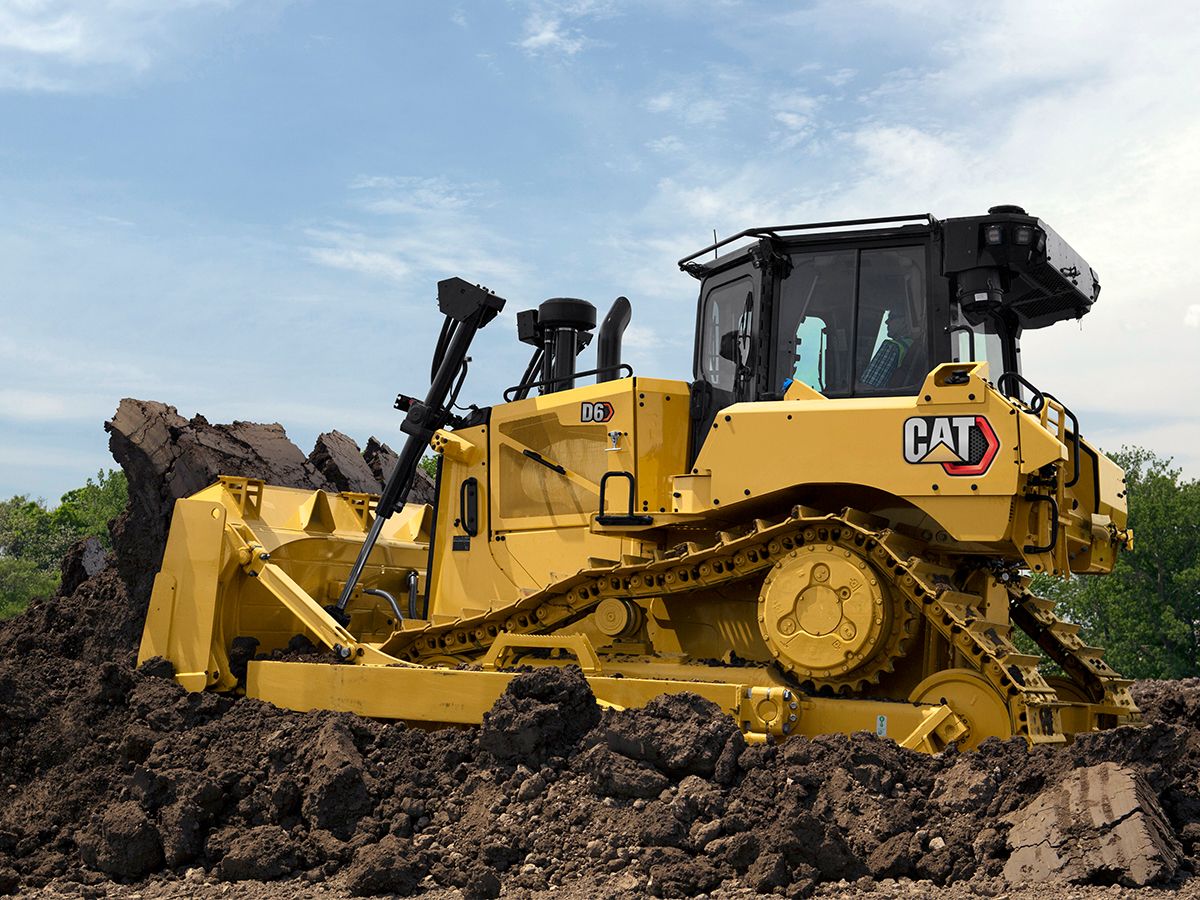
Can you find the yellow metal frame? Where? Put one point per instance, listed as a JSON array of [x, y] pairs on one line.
[[458, 697], [244, 559]]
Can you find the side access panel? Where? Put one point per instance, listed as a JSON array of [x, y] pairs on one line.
[[549, 455]]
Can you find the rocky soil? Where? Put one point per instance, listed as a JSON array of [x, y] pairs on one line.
[[114, 781]]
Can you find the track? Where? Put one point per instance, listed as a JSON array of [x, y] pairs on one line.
[[925, 588]]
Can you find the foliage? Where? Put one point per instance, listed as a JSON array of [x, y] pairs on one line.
[[86, 511], [1147, 612], [34, 539], [20, 582], [429, 464]]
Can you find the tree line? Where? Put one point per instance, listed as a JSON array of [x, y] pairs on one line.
[[1146, 614], [34, 538]]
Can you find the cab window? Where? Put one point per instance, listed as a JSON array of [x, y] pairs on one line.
[[852, 322], [728, 323], [892, 352], [816, 321], [979, 341]]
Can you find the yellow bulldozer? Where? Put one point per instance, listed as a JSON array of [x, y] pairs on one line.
[[831, 528]]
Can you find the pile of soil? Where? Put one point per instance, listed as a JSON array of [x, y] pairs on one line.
[[112, 775]]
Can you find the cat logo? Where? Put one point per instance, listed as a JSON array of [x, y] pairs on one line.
[[963, 445], [600, 411]]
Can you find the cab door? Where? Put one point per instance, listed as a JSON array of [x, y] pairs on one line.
[[729, 341]]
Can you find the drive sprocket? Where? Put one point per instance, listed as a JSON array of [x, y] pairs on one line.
[[831, 619]]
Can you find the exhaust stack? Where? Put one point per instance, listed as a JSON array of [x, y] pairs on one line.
[[608, 345]]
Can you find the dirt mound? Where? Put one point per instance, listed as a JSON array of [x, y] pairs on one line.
[[1169, 702], [110, 774], [337, 457], [382, 459], [115, 774], [166, 456]]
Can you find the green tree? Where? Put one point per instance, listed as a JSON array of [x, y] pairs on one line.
[[33, 539], [1147, 612], [28, 532], [20, 582], [429, 464], [86, 511]]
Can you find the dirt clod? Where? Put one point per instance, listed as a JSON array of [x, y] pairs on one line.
[[679, 735], [541, 714], [390, 866], [124, 843], [1098, 824], [262, 853]]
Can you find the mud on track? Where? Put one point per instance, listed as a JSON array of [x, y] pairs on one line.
[[114, 780]]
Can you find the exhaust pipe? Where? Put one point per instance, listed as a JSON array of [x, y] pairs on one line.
[[608, 342]]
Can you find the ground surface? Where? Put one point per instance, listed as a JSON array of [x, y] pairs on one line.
[[113, 781]]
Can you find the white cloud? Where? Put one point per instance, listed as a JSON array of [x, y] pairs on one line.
[[666, 144], [392, 195], [661, 102], [554, 28], [548, 35], [795, 112], [1191, 317], [52, 33], [841, 77], [926, 163], [345, 254], [85, 45], [425, 228], [700, 99]]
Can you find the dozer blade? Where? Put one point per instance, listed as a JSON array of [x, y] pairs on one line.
[[244, 560]]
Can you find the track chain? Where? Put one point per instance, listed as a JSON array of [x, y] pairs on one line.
[[1060, 641], [956, 615]]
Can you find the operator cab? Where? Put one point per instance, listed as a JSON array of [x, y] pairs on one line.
[[866, 308]]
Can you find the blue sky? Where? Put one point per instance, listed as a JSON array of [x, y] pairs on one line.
[[242, 209]]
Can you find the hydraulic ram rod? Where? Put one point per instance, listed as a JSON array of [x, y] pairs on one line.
[[467, 308]]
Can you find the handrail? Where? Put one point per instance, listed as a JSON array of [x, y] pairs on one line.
[[1039, 404], [1074, 433], [1036, 401], [1042, 498], [630, 517], [773, 231], [518, 387]]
